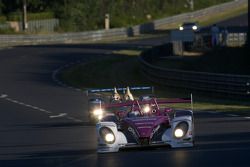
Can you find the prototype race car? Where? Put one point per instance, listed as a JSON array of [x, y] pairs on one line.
[[95, 109], [144, 123], [189, 26]]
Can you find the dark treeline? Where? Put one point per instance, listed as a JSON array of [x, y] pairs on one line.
[[79, 15]]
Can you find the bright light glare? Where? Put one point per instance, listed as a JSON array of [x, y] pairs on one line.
[[194, 27], [146, 109], [181, 28], [178, 133], [98, 112], [109, 137], [99, 117]]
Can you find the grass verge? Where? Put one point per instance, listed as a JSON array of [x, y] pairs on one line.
[[118, 70], [238, 10]]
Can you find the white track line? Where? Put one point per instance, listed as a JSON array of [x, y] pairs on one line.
[[3, 96], [60, 115], [232, 115], [55, 72], [74, 119], [247, 117], [27, 105]]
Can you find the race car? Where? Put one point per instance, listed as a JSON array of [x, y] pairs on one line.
[[145, 124], [95, 111], [146, 97], [189, 26], [115, 97]]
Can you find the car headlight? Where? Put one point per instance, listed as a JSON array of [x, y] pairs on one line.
[[194, 27], [178, 133], [181, 28], [98, 112], [181, 130], [107, 135], [146, 109], [99, 117]]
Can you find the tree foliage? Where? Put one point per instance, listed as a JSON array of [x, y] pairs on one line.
[[80, 15]]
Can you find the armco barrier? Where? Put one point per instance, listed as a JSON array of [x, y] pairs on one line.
[[12, 40], [225, 84]]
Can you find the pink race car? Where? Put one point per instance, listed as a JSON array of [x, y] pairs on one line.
[[144, 123]]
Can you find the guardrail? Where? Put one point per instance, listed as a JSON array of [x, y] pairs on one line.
[[224, 84], [12, 40]]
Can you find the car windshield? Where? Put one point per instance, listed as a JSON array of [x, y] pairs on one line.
[[189, 24]]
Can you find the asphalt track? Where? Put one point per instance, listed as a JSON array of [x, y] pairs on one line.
[[43, 123], [239, 21]]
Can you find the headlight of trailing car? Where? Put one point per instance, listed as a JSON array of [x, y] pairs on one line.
[[146, 108], [194, 27], [181, 28], [107, 135], [181, 130], [98, 113]]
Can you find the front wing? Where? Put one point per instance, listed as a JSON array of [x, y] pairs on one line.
[[167, 138]]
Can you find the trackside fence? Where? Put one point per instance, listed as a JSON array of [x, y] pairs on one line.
[[203, 40], [224, 84]]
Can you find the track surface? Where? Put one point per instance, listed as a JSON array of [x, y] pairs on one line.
[[240, 21], [44, 123]]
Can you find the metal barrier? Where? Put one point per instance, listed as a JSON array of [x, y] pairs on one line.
[[236, 39], [225, 84], [12, 40]]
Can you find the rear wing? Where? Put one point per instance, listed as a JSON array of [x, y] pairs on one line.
[[89, 91], [157, 101]]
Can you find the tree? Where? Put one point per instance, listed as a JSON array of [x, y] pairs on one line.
[[11, 6], [1, 7]]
